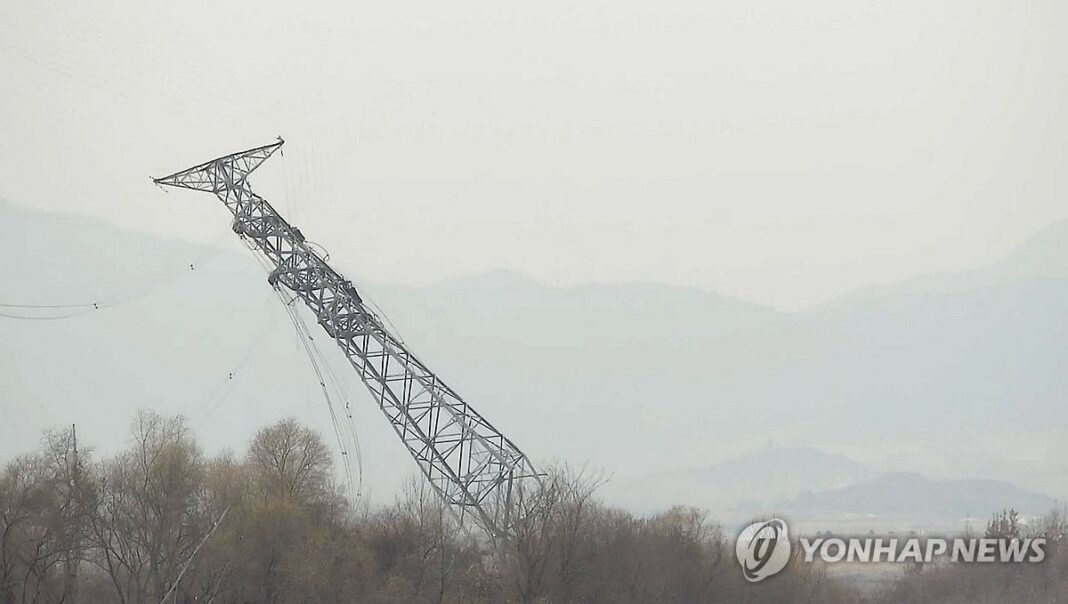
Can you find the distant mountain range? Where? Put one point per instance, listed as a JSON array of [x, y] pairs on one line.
[[951, 376], [753, 483], [821, 491], [1041, 257], [912, 498]]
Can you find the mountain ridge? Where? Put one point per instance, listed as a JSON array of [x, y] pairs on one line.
[[688, 374]]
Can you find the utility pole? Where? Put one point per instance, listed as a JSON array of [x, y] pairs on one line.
[[75, 514]]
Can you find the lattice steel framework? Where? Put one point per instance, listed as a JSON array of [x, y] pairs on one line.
[[470, 464]]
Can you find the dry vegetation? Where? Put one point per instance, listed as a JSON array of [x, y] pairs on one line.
[[992, 583], [162, 521]]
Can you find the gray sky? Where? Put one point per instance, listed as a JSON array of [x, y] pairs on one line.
[[782, 152]]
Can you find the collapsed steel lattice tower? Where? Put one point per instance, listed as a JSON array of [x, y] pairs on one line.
[[468, 462]]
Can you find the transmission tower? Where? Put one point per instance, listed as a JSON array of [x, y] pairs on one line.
[[468, 462]]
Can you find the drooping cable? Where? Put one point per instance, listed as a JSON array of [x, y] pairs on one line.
[[344, 431], [48, 318], [185, 567], [343, 395], [355, 483], [89, 304], [84, 308], [235, 372]]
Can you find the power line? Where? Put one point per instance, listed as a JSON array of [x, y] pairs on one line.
[[49, 318], [185, 567], [235, 372], [168, 276], [322, 370], [355, 483], [89, 304]]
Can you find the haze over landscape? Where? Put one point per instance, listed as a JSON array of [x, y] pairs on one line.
[[730, 274], [682, 395], [784, 153]]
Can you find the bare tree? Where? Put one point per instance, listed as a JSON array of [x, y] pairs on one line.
[[149, 516], [41, 522], [549, 523], [1005, 525], [290, 475], [148, 522], [290, 460], [419, 541]]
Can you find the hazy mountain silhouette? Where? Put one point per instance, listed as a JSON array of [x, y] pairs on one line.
[[753, 482], [949, 375], [820, 490], [905, 499], [1043, 256]]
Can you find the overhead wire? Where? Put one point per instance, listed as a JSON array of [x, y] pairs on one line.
[[344, 431], [355, 481], [285, 187], [76, 305], [48, 318], [344, 395], [309, 343], [59, 45], [235, 372], [316, 178], [169, 276], [196, 550], [201, 259]]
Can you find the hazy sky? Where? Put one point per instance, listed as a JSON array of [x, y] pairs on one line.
[[782, 152]]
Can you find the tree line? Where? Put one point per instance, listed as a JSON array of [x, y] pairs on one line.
[[161, 521], [991, 583]]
